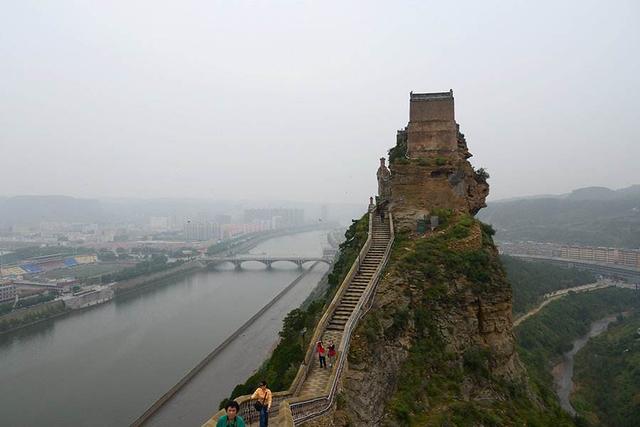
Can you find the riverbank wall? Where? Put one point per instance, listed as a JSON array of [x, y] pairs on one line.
[[27, 316], [89, 299], [127, 286]]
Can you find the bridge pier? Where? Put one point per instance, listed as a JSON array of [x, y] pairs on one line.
[[269, 267], [238, 266]]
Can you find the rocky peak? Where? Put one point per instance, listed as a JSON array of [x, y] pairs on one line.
[[429, 165]]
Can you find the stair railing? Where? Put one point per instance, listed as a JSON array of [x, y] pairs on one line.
[[297, 411]]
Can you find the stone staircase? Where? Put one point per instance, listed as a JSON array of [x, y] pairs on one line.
[[318, 378], [368, 267], [312, 393]]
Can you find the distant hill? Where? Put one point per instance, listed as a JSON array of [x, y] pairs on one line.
[[589, 216]]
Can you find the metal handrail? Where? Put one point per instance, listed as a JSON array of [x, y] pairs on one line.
[[321, 404]]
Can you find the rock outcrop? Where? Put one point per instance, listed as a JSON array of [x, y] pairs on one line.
[[437, 346], [429, 165]]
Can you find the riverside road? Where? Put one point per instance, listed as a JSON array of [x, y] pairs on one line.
[[107, 365]]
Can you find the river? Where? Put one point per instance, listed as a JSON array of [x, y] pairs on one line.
[[106, 365], [563, 371]]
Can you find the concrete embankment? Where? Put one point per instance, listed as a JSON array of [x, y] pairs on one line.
[[137, 283], [174, 392], [28, 316]]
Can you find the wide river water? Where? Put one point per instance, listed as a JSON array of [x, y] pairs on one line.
[[107, 365]]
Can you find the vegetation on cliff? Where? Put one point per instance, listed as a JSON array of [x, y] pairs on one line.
[[531, 280], [281, 368], [607, 376], [451, 372]]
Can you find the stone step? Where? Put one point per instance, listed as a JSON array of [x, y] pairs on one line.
[[346, 306], [341, 315], [337, 326]]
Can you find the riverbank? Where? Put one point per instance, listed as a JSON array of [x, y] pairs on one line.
[[16, 320], [542, 343], [19, 319], [563, 371], [140, 345], [607, 384]]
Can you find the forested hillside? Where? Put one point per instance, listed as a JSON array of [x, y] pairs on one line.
[[531, 280], [589, 216]]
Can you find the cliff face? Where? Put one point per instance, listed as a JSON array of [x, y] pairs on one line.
[[437, 346], [438, 341]]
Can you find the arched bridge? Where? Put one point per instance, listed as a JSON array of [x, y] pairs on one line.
[[237, 261]]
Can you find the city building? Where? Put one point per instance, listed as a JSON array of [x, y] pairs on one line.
[[627, 257], [287, 217], [159, 223], [201, 231], [7, 292]]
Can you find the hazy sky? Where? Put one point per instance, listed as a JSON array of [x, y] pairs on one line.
[[298, 100]]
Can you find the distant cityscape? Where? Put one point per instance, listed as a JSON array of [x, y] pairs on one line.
[[62, 257], [607, 255]]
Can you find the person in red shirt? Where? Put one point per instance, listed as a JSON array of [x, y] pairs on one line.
[[332, 354], [321, 352]]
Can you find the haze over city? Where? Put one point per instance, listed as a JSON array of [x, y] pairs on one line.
[[297, 100]]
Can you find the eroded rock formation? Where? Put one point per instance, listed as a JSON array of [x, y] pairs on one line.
[[429, 165], [437, 346]]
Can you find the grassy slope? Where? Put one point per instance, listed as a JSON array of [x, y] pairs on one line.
[[430, 387]]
